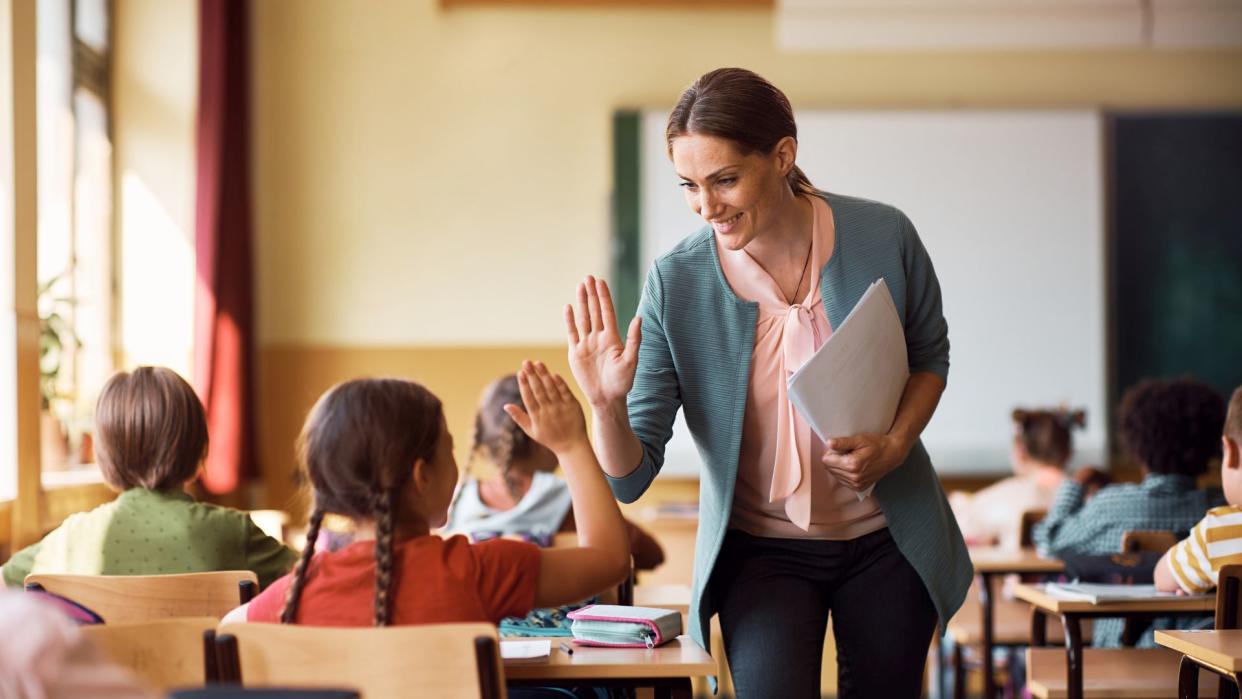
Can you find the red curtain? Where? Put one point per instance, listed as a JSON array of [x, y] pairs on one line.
[[223, 314]]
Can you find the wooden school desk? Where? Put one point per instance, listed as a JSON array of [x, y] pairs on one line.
[[992, 563], [1129, 671], [1219, 651], [667, 669]]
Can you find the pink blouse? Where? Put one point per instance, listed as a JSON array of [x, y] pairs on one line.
[[783, 489]]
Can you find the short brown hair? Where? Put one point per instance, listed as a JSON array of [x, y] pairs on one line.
[[738, 105], [150, 430], [1233, 418]]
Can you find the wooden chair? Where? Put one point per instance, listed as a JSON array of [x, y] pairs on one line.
[[1228, 604], [453, 661], [133, 598], [1027, 525], [165, 654], [1147, 541]]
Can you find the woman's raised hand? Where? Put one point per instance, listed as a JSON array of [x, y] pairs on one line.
[[602, 365], [552, 416]]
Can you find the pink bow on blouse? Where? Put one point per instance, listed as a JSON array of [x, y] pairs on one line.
[[791, 474]]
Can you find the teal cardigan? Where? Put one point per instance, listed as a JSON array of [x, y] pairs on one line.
[[697, 340]]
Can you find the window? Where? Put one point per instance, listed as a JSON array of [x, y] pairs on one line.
[[75, 227]]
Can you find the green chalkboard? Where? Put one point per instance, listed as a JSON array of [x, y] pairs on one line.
[[1175, 244]]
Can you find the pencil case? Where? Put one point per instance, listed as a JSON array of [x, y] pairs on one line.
[[624, 627]]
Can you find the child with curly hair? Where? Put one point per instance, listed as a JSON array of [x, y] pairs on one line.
[[1172, 429]]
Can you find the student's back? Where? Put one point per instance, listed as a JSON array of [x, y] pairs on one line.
[[435, 581], [151, 437], [147, 532]]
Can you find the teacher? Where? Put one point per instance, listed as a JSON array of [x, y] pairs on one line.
[[726, 316]]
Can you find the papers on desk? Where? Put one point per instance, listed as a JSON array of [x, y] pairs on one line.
[[525, 650], [1100, 593], [854, 383]]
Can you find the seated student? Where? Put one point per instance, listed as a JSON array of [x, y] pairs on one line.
[[523, 497], [1193, 565], [1172, 429], [1041, 447], [150, 438], [379, 452]]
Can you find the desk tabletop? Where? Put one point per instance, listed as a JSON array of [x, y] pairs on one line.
[[996, 559], [681, 657], [1220, 648], [1037, 596]]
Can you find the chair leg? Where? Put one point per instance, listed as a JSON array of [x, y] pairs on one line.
[[959, 673], [1188, 680], [1227, 688], [487, 659]]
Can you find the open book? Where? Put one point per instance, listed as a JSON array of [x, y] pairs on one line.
[[854, 382], [1101, 593]]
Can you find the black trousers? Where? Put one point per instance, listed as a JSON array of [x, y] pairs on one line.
[[774, 597]]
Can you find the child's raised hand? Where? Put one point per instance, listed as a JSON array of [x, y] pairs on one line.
[[553, 417]]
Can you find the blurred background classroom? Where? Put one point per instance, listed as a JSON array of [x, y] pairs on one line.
[[274, 196]]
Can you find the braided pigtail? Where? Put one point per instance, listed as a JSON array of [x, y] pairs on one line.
[[294, 594], [383, 555], [506, 445]]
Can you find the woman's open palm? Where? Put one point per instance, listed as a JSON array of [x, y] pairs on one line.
[[603, 366]]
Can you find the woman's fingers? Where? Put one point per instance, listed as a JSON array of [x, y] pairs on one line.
[[597, 318], [608, 314], [633, 338], [582, 314], [571, 329]]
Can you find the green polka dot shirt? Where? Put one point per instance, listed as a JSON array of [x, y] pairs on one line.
[[147, 532]]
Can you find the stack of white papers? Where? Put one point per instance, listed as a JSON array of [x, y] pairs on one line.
[[525, 650], [1101, 593], [854, 383]]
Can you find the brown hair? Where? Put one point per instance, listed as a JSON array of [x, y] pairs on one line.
[[496, 435], [1233, 418], [358, 447], [1045, 434], [740, 106], [150, 430]]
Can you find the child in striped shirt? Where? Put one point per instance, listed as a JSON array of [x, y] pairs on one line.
[[1193, 565]]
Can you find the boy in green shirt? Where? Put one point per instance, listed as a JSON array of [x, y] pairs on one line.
[[151, 436]]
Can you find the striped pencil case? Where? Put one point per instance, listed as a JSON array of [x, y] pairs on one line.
[[624, 627]]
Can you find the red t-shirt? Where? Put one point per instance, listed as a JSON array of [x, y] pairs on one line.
[[434, 581]]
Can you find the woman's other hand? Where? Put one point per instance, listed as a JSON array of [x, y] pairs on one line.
[[602, 365], [860, 461], [553, 417]]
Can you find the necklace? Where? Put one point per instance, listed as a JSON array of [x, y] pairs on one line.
[[805, 264]]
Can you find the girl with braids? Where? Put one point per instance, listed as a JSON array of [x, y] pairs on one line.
[[378, 451], [1042, 446], [523, 497]]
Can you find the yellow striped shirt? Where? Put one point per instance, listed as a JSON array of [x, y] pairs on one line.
[[1214, 542]]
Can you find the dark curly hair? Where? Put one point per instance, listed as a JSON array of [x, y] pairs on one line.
[[1172, 426]]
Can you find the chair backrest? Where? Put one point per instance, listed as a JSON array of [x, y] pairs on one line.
[[453, 661], [165, 654], [130, 598], [1229, 597], [1147, 541], [1029, 519]]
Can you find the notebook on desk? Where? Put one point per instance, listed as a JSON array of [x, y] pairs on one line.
[[1101, 593]]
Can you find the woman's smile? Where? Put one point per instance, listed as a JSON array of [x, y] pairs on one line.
[[726, 226]]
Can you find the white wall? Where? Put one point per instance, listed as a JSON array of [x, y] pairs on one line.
[[1010, 207]]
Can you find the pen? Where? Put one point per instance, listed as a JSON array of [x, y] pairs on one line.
[[565, 647]]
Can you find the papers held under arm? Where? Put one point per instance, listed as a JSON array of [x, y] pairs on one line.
[[854, 383]]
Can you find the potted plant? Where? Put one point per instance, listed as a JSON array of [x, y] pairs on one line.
[[56, 342]]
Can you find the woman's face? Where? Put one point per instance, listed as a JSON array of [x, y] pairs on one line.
[[737, 194]]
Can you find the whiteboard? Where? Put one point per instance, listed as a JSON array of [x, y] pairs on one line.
[[1010, 207]]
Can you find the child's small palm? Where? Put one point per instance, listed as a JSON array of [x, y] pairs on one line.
[[552, 417]]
